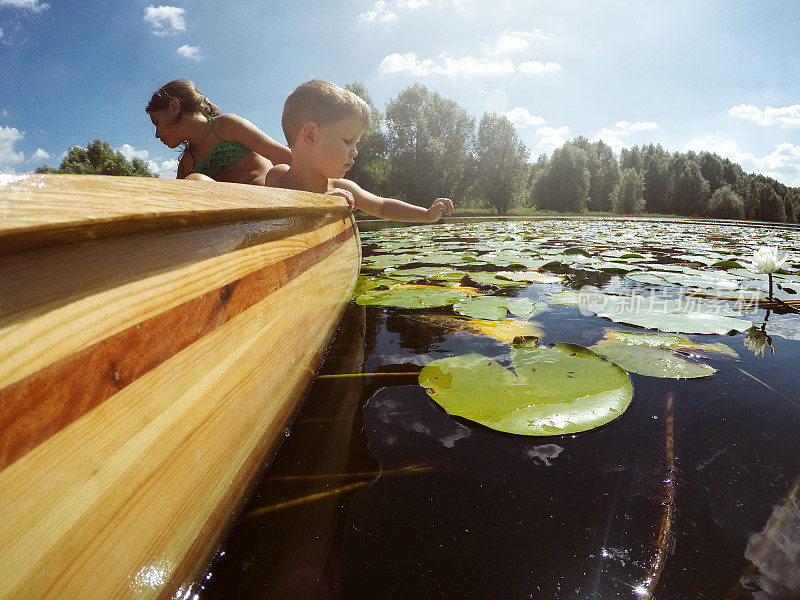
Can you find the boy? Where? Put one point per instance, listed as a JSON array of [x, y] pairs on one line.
[[323, 123]]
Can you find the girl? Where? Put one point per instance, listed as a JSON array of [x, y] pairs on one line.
[[215, 147]]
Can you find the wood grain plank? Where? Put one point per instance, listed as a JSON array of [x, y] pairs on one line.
[[135, 462], [38, 406], [44, 336]]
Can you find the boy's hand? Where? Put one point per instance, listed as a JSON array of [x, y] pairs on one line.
[[440, 206], [347, 195]]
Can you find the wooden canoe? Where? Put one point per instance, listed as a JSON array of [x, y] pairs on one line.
[[156, 337]]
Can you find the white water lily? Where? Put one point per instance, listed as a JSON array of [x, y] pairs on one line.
[[766, 260]]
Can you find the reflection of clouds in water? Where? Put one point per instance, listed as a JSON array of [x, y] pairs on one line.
[[775, 552], [544, 453], [404, 424], [785, 326]]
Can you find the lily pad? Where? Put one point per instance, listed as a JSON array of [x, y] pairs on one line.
[[531, 276], [496, 307], [558, 389], [413, 296], [567, 297], [673, 316], [504, 330], [492, 279], [658, 355], [365, 283]]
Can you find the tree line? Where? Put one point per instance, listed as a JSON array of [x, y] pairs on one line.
[[423, 145], [98, 158]]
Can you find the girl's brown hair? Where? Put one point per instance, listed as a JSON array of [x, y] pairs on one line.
[[187, 95]]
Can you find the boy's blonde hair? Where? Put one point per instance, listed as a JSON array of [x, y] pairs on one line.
[[323, 103]]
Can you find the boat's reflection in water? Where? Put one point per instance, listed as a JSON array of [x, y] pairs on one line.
[[287, 543]]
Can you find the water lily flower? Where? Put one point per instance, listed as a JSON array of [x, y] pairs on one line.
[[757, 341], [766, 260]]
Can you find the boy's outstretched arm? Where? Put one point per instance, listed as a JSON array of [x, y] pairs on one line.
[[391, 209]]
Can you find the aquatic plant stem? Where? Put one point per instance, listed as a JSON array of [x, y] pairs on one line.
[[345, 375], [648, 586]]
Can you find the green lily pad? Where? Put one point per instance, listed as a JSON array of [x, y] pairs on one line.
[[412, 296], [575, 250], [531, 276], [365, 283], [432, 273], [559, 389], [658, 355], [495, 308], [675, 316], [567, 298], [492, 279]]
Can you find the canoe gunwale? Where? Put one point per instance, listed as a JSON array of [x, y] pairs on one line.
[[39, 211]]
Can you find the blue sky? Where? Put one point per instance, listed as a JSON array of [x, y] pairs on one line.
[[713, 75]]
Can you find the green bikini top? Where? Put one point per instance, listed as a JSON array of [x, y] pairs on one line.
[[221, 155]]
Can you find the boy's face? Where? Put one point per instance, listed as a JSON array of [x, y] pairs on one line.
[[335, 146]]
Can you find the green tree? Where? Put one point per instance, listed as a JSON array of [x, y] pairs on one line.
[[371, 167], [689, 191], [656, 178], [726, 204], [501, 177], [772, 208], [713, 170], [628, 194], [564, 184], [607, 176], [99, 158], [430, 141]]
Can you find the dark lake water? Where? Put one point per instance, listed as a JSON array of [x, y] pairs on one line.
[[691, 493]]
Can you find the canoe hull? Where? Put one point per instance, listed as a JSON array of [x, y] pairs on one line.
[[145, 381]]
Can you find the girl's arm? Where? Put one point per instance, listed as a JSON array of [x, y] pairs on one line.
[[391, 209], [237, 129]]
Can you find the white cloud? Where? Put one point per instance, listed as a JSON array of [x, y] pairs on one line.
[[469, 66], [513, 41], [166, 169], [9, 156], [551, 138], [612, 137], [129, 152], [466, 66], [412, 4], [190, 52], [165, 20], [39, 156], [4, 112], [534, 67], [783, 163], [405, 63], [638, 126], [784, 116], [380, 13], [521, 117], [31, 5]]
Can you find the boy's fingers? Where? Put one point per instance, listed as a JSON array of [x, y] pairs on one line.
[[447, 205]]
